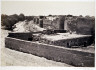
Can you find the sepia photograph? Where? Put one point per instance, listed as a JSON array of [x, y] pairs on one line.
[[48, 33]]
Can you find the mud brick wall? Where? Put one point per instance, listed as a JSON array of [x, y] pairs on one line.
[[56, 53]]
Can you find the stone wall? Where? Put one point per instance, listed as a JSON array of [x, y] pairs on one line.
[[57, 23], [23, 36], [82, 41], [56, 53], [80, 25], [85, 25]]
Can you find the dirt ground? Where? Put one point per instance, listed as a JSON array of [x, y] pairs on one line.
[[15, 58]]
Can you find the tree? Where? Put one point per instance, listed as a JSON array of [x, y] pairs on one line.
[[80, 16], [3, 17], [87, 16], [21, 17]]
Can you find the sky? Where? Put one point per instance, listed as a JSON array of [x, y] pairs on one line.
[[36, 8]]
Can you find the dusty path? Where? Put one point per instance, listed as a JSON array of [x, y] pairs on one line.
[[14, 58]]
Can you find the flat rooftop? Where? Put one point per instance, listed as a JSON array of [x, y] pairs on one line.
[[63, 36]]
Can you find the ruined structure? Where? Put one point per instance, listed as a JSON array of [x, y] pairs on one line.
[[53, 48], [70, 23], [57, 42]]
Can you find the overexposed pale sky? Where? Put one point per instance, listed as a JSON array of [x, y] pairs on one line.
[[48, 7]]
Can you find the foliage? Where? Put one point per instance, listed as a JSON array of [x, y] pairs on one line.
[[9, 21]]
